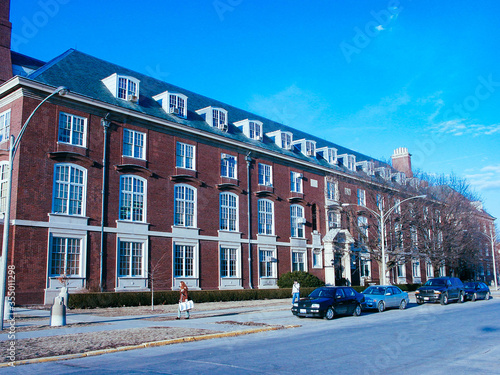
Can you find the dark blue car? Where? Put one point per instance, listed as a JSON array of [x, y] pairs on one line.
[[476, 290], [328, 302]]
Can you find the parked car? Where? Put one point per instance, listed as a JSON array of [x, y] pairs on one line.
[[441, 289], [475, 290], [382, 297], [328, 302]]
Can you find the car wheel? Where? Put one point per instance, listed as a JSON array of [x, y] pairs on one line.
[[380, 306], [402, 305], [444, 299], [461, 297], [330, 313], [357, 310], [420, 302], [487, 296], [474, 297]]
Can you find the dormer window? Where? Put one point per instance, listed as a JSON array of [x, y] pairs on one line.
[[216, 117], [383, 172], [281, 138], [123, 87], [174, 103], [308, 148], [328, 153], [348, 161], [251, 128], [366, 166]]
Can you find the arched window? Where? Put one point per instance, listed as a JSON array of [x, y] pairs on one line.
[[297, 220], [266, 216], [69, 189], [132, 198], [228, 204], [185, 206]]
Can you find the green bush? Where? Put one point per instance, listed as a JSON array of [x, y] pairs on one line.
[[305, 280]]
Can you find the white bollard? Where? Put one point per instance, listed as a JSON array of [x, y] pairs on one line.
[[58, 313], [8, 311]]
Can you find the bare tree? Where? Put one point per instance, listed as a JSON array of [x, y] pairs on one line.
[[156, 272]]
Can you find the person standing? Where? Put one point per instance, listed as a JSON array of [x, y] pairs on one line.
[[295, 291], [183, 298]]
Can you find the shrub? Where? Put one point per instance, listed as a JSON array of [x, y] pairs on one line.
[[305, 279]]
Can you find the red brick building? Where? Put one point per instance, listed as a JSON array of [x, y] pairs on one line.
[[127, 174]]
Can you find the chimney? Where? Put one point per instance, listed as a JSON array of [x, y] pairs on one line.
[[401, 161], [5, 35]]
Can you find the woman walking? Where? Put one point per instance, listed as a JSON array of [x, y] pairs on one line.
[[183, 298]]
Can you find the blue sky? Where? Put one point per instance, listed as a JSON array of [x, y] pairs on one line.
[[369, 75]]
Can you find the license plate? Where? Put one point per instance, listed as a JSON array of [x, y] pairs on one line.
[[303, 311], [426, 298]]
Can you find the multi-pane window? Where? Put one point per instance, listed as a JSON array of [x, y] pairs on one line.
[[126, 88], [415, 268], [333, 219], [255, 130], [72, 129], [228, 211], [265, 222], [297, 221], [228, 166], [219, 118], [265, 175], [177, 105], [298, 261], [266, 268], [363, 228], [429, 269], [184, 156], [132, 198], [4, 177], [364, 267], [332, 190], [65, 256], [295, 182], [183, 260], [228, 262], [184, 205], [133, 144], [4, 125], [286, 141], [69, 189], [130, 261], [310, 148], [401, 269], [361, 197]]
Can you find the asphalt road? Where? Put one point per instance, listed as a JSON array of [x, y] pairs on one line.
[[429, 339]]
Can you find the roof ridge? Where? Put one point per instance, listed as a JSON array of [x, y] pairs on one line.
[[52, 62]]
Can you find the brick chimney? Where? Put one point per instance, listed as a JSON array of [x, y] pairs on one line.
[[401, 161], [5, 35]]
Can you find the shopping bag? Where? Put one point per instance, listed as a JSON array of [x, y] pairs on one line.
[[188, 305]]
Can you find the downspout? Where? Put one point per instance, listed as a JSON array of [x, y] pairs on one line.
[[249, 215], [105, 124]]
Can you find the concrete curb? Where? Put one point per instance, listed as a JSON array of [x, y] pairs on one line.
[[145, 345]]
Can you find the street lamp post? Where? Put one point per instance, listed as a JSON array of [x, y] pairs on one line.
[[14, 143], [493, 238], [382, 217]]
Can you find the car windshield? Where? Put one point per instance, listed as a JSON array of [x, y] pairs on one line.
[[470, 285], [322, 293], [377, 290], [435, 282]]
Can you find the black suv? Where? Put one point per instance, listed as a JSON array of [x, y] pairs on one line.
[[442, 289]]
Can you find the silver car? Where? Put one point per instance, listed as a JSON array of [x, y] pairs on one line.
[[382, 297]]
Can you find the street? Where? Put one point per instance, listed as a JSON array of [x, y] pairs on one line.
[[427, 339]]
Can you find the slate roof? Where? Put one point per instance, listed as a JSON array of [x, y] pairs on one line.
[[83, 73]]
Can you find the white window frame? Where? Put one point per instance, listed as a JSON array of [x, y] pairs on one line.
[[317, 258], [333, 217], [298, 260], [229, 266], [397, 205], [363, 228], [131, 271], [5, 125], [228, 166], [185, 156], [4, 184], [177, 104], [265, 222], [401, 270], [265, 174], [332, 190], [228, 212], [136, 146], [66, 190], [415, 269], [296, 182], [361, 197], [267, 261], [255, 130], [429, 269], [128, 212], [129, 90], [75, 126], [297, 221], [364, 267], [65, 260], [191, 266], [185, 206]]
